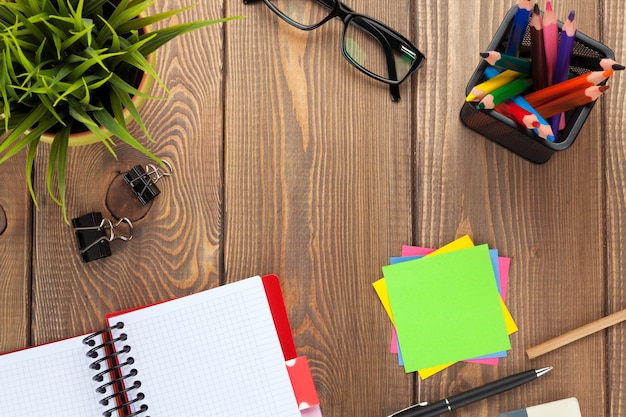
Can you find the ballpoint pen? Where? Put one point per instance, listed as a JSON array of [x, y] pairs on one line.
[[471, 396]]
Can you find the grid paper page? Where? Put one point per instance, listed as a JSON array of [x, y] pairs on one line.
[[49, 380], [215, 353]]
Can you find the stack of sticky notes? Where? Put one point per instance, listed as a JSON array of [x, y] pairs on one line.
[[447, 305]]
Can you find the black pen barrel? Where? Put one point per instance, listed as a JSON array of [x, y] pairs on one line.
[[473, 395], [491, 389]]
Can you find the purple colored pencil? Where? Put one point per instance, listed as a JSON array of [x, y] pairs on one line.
[[564, 56]]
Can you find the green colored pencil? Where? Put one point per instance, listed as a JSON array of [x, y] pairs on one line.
[[504, 93], [501, 60]]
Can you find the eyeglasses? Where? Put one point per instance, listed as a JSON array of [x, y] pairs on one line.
[[371, 46]]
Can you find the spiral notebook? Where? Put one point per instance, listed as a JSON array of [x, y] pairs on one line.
[[220, 352]]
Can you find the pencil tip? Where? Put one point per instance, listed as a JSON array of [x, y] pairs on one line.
[[571, 16], [536, 8], [484, 54], [618, 67]]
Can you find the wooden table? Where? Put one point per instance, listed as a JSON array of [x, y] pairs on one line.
[[289, 161]]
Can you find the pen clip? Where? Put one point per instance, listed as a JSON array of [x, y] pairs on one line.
[[422, 404]]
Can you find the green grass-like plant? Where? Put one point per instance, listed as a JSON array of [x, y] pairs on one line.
[[67, 66]]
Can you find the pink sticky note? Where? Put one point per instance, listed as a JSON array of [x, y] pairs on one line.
[[505, 265], [393, 348], [415, 250]]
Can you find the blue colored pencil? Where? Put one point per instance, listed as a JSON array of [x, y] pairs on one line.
[[518, 28]]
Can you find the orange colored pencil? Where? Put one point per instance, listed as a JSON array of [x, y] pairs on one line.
[[537, 98], [572, 100]]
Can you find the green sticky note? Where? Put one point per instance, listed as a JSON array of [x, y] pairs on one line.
[[446, 308]]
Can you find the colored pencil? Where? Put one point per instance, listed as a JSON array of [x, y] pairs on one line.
[[544, 130], [550, 40], [537, 50], [595, 64], [500, 60], [566, 46], [563, 58], [542, 96], [518, 114], [572, 100], [505, 92], [518, 28], [492, 83]]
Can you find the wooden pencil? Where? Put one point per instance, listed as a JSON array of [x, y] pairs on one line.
[[566, 46], [482, 89], [505, 92], [500, 60], [544, 95], [537, 50], [544, 130], [570, 101], [595, 64], [518, 114], [576, 334], [550, 39], [518, 27], [563, 58]]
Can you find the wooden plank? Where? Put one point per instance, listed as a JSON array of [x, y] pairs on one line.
[[548, 218], [175, 248], [614, 109], [317, 177], [15, 262]]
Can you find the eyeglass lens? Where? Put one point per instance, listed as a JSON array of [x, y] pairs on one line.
[[304, 12], [366, 42], [376, 49]]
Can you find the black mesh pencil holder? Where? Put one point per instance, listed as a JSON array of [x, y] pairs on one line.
[[506, 132]]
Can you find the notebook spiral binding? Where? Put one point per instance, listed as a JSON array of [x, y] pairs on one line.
[[106, 361]]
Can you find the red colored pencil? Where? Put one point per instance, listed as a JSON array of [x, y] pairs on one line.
[[537, 98], [572, 100], [521, 116]]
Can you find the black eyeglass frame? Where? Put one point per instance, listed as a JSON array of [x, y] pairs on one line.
[[341, 11]]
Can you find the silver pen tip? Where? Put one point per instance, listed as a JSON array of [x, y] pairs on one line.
[[544, 371]]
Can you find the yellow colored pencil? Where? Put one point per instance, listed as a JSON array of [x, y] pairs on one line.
[[481, 90], [505, 92]]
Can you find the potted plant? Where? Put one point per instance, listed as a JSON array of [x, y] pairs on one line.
[[75, 72]]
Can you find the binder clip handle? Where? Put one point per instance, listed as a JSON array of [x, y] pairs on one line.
[[158, 172], [143, 181], [94, 233]]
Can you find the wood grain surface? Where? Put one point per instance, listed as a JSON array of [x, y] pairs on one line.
[[287, 160]]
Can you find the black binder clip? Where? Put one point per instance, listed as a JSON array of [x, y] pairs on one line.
[[143, 181], [94, 233]]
